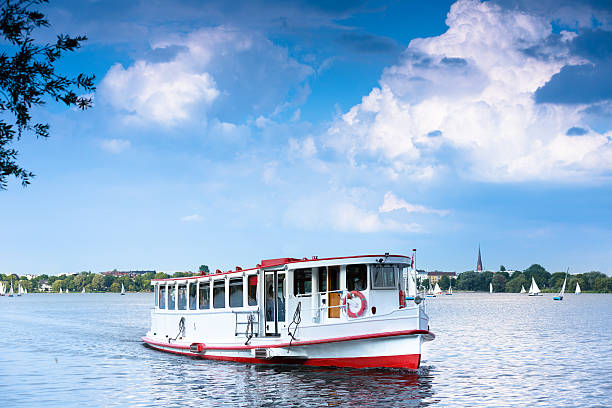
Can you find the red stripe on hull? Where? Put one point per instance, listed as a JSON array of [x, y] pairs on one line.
[[406, 361]]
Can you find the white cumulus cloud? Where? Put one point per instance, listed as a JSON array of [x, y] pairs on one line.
[[192, 218], [464, 101], [187, 76], [392, 202], [115, 145], [342, 211]]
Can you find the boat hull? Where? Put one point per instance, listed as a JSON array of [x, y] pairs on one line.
[[353, 352]]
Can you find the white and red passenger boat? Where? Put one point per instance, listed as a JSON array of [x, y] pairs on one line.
[[341, 312]]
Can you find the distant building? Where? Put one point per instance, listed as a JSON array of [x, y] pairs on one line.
[[45, 287], [30, 276], [131, 274], [479, 263], [435, 276], [421, 274]]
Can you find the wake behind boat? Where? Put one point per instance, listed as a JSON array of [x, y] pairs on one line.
[[341, 312]]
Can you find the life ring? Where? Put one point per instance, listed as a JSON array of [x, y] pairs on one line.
[[352, 295]]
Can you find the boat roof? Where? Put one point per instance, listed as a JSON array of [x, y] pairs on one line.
[[314, 261]]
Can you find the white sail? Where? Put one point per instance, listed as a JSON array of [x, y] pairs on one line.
[[61, 290], [523, 289], [122, 289], [450, 289], [67, 291], [534, 287], [578, 288], [437, 290], [2, 290], [25, 291], [19, 289], [11, 290], [83, 291], [563, 287], [412, 289], [490, 287]]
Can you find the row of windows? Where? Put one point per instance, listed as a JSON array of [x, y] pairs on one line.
[[177, 297], [383, 277]]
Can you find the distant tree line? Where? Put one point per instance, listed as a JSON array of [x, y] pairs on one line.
[[92, 282], [503, 281]]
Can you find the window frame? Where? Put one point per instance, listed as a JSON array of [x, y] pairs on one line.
[[304, 282], [235, 285], [219, 284], [365, 276], [249, 286], [201, 290], [373, 281]]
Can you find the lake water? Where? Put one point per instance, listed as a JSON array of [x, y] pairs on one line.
[[490, 350]]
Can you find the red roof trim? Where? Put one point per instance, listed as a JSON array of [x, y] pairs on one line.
[[268, 263]]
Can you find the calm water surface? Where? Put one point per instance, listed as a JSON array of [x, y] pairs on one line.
[[490, 350]]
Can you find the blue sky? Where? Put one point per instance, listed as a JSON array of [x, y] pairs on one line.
[[226, 135]]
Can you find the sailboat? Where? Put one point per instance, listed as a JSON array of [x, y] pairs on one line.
[[2, 289], [490, 287], [83, 291], [19, 290], [450, 290], [437, 290], [61, 290], [122, 289], [10, 294], [578, 291], [430, 292], [67, 291], [523, 289], [533, 289], [25, 291], [560, 295]]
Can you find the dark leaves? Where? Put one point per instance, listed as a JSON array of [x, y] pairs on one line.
[[28, 77]]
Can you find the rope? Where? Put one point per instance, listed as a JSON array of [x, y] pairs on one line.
[[249, 325], [181, 331], [297, 319]]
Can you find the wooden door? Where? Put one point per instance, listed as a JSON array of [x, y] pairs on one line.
[[333, 287]]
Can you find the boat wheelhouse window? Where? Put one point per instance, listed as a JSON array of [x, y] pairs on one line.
[[162, 297], [383, 277], [235, 292], [219, 294], [302, 281], [171, 295], [356, 277], [192, 295], [252, 290], [156, 295], [204, 295], [182, 297]]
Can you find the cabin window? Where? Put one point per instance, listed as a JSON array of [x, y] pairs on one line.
[[192, 296], [302, 281], [322, 279], [182, 297], [204, 295], [156, 295], [235, 292], [280, 297], [252, 290], [171, 296], [162, 297], [219, 294], [383, 277], [356, 277]]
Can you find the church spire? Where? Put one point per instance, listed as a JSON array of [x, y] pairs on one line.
[[479, 264]]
